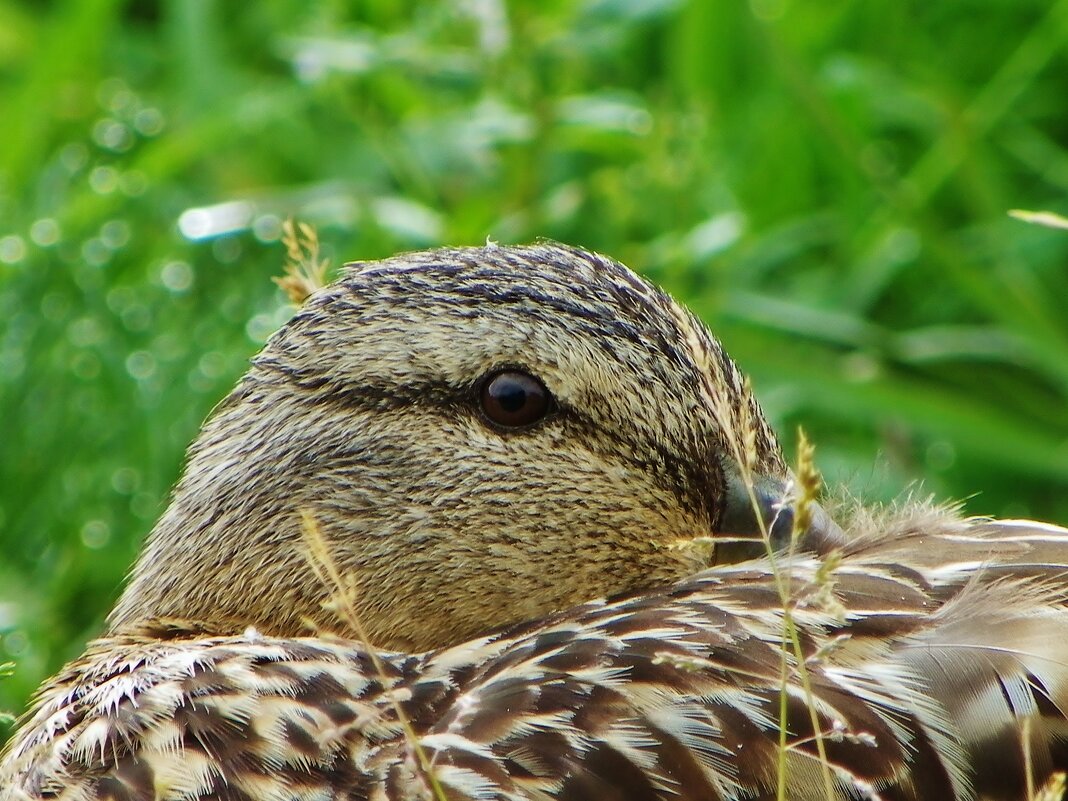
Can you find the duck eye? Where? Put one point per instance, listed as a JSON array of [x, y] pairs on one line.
[[513, 399]]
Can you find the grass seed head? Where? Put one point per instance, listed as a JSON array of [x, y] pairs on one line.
[[808, 484], [305, 268]]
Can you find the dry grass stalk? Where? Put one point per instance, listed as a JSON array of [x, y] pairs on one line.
[[806, 489], [740, 429], [342, 602], [305, 272], [305, 268], [1054, 787]]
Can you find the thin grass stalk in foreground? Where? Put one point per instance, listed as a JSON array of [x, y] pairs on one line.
[[744, 453], [305, 272], [743, 450], [342, 598], [1025, 744], [807, 487], [1054, 787]]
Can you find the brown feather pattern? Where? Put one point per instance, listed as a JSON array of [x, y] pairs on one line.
[[933, 650], [920, 689]]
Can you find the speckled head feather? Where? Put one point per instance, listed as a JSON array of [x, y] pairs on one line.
[[363, 412]]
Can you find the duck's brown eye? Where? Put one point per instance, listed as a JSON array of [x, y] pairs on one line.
[[513, 399]]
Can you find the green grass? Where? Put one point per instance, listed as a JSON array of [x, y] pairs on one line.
[[827, 184]]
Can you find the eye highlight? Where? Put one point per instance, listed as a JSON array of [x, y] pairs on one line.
[[514, 399]]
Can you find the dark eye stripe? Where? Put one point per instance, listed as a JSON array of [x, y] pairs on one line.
[[688, 476], [514, 399]]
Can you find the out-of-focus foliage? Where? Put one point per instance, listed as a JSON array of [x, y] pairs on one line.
[[827, 184]]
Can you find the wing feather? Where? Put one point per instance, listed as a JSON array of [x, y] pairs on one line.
[[924, 659]]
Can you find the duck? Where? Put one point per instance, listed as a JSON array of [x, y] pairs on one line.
[[508, 523]]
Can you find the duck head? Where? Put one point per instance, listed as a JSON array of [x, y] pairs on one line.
[[480, 436]]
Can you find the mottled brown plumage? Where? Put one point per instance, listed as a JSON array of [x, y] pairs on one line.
[[929, 644]]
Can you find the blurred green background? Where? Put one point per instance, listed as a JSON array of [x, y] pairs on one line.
[[825, 183]]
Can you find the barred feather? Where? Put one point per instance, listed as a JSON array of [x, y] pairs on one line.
[[920, 690]]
